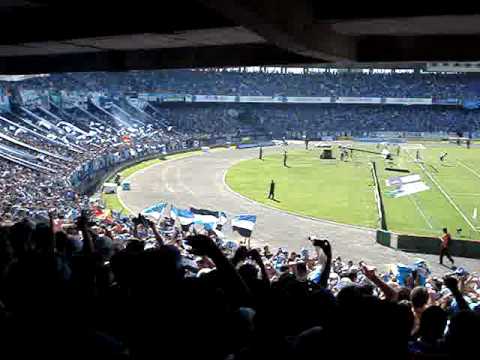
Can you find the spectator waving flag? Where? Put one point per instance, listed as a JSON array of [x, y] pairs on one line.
[[185, 217], [155, 211], [244, 224]]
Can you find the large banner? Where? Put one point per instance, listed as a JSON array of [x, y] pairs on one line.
[[471, 104], [173, 98], [308, 99], [4, 100], [357, 100], [215, 98], [408, 101], [73, 98], [261, 99], [148, 96], [31, 97], [446, 101]]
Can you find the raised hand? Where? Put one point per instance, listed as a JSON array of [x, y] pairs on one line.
[[201, 245], [240, 255], [82, 221], [324, 245], [368, 271], [255, 255], [451, 283]]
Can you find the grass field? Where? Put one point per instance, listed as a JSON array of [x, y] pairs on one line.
[[326, 189], [343, 191]]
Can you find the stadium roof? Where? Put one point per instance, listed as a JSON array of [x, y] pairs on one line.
[[41, 36]]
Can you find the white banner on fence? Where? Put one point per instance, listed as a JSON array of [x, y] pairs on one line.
[[408, 189], [214, 98], [409, 101], [358, 100], [399, 180], [261, 99], [308, 99]]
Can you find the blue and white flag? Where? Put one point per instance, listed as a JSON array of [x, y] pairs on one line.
[[210, 219], [185, 217], [244, 224], [155, 211]]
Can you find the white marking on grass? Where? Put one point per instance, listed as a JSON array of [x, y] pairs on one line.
[[444, 193], [421, 211], [412, 147], [469, 169], [450, 200]]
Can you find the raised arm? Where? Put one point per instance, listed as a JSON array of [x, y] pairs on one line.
[[255, 255], [231, 280], [325, 246], [157, 235], [452, 284], [82, 225], [51, 220], [388, 291]]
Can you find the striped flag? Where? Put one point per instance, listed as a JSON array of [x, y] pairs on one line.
[[155, 211], [185, 217], [210, 219], [244, 224]]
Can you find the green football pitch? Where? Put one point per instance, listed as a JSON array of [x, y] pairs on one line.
[[344, 191]]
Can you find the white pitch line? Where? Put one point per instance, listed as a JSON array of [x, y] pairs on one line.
[[164, 179], [444, 193], [180, 181], [469, 168], [421, 212], [467, 220]]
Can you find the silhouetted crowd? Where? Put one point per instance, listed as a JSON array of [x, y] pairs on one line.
[[95, 284]]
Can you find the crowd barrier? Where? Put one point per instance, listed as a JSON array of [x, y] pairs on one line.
[[378, 198], [252, 145], [427, 244]]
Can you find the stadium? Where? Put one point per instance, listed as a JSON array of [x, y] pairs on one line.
[[161, 200]]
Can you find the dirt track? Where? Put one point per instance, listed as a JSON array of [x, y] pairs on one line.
[[198, 181]]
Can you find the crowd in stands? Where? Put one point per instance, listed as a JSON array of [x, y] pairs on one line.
[[280, 120], [79, 281], [269, 84], [117, 287], [93, 138], [43, 162]]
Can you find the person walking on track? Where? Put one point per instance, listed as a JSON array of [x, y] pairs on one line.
[[445, 238], [271, 193]]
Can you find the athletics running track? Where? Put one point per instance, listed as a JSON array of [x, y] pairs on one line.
[[198, 181]]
